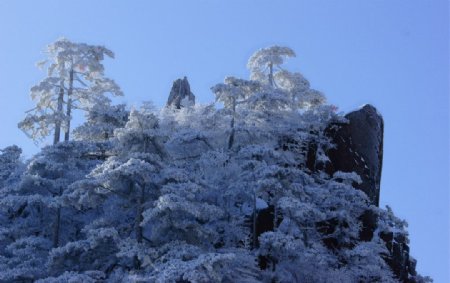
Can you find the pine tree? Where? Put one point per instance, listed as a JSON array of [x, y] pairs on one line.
[[75, 81]]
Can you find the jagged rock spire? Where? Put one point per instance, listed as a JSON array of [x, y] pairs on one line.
[[181, 95]]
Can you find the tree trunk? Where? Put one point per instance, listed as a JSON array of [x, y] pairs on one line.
[[57, 224], [275, 216], [271, 82], [137, 223], [231, 138], [69, 106], [69, 110], [305, 238], [57, 133], [254, 221], [139, 218]]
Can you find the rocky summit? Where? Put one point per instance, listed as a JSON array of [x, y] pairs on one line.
[[180, 94]]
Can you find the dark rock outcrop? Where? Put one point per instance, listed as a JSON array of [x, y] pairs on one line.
[[180, 94], [403, 266], [359, 148]]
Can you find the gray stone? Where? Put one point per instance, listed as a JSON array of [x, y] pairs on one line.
[[359, 148], [180, 94]]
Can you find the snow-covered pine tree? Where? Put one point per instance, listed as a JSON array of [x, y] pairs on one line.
[[121, 188], [101, 121], [75, 81], [264, 62], [38, 216], [10, 165]]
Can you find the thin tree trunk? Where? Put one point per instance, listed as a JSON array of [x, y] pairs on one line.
[[56, 140], [231, 138], [305, 238], [69, 110], [57, 224], [271, 82], [69, 106], [140, 204], [139, 218], [254, 221], [137, 223], [275, 216], [57, 133]]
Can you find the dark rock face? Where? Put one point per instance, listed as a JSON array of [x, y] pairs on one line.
[[359, 148], [403, 266], [180, 95]]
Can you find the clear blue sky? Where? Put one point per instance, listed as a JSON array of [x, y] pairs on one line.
[[392, 53]]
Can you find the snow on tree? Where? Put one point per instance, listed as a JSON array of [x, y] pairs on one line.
[[24, 259], [102, 119], [101, 122], [75, 81], [265, 67], [71, 276], [191, 131], [189, 264], [233, 93], [297, 87], [126, 184], [183, 211], [39, 219], [9, 164], [262, 63], [94, 255], [11, 169]]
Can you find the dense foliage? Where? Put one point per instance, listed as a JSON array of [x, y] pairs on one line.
[[179, 195]]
